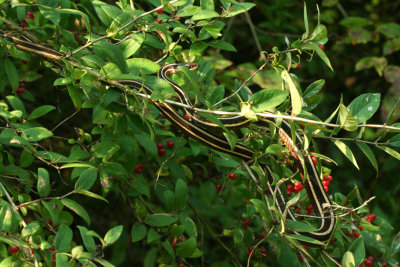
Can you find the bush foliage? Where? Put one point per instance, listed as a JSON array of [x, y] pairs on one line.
[[93, 175]]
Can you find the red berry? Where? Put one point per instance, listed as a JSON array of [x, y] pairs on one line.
[[356, 234], [13, 250], [314, 159], [245, 223], [138, 168], [159, 11], [299, 66], [263, 251], [261, 236], [325, 183], [326, 188], [298, 186], [360, 227], [371, 258], [170, 143], [158, 21], [289, 187], [328, 178], [332, 240], [301, 257], [219, 187], [306, 247], [173, 244], [161, 152], [181, 264], [349, 234], [370, 217], [160, 145], [232, 176], [20, 90], [302, 126], [30, 15], [263, 229], [51, 222], [24, 62], [24, 21], [250, 250], [289, 193], [322, 47], [186, 117], [309, 208], [368, 263], [384, 264]]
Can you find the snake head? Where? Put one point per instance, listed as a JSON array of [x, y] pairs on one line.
[[191, 65]]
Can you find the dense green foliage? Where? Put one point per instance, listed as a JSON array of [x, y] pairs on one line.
[[84, 180]]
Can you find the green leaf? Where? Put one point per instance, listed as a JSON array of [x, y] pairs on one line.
[[368, 62], [6, 215], [347, 121], [30, 229], [78, 13], [313, 88], [51, 211], [321, 54], [262, 209], [16, 103], [205, 14], [131, 46], [40, 111], [26, 159], [12, 75], [355, 22], [141, 65], [294, 93], [390, 151], [91, 194], [77, 208], [160, 220], [181, 193], [299, 226], [320, 33], [63, 81], [358, 250], [63, 238], [245, 109], [113, 234], [370, 155], [346, 151], [274, 149], [75, 95], [267, 99], [188, 247], [223, 45], [86, 179], [348, 260], [390, 30], [364, 106], [106, 12], [43, 183], [238, 8], [306, 239], [138, 232], [36, 134], [88, 240], [306, 20]]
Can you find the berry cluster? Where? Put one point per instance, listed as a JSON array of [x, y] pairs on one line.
[[161, 149], [326, 182], [298, 186], [138, 168], [28, 15], [370, 217], [21, 89], [369, 261], [245, 224]]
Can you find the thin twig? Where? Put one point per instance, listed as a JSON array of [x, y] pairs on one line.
[[243, 84], [253, 32], [67, 118], [349, 139]]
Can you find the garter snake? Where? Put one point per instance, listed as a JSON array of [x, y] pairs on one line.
[[196, 128]]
